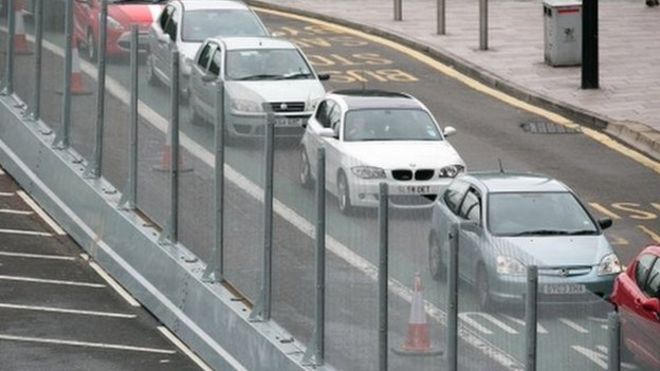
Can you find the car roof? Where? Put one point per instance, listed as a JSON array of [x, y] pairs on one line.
[[369, 98], [651, 250], [217, 4], [496, 181], [237, 43]]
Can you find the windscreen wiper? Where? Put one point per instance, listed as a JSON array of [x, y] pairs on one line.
[[542, 232], [581, 232], [258, 77], [297, 75]]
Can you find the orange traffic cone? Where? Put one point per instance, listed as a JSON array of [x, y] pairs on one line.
[[77, 82], [418, 341], [20, 40], [166, 155]]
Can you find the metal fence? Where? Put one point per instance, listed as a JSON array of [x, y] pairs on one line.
[[356, 288]]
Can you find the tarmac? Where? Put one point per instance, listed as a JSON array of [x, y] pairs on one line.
[[627, 104]]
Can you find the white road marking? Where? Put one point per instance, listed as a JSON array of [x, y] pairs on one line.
[[339, 249], [115, 285], [467, 317], [6, 194], [54, 282], [67, 311], [85, 344], [574, 325], [33, 205], [539, 328], [15, 212], [171, 337], [26, 233], [36, 256]]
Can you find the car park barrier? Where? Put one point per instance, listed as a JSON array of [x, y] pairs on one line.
[[398, 10], [531, 317], [96, 162]]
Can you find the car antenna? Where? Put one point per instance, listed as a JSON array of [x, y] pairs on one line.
[[499, 161]]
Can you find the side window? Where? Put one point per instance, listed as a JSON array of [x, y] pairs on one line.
[[172, 25], [471, 208], [335, 117], [652, 288], [164, 17], [454, 194], [216, 62], [204, 56], [322, 113], [643, 268]]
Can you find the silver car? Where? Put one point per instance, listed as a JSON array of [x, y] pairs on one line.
[[514, 220]]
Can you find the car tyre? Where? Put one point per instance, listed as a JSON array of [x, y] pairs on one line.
[[92, 50], [483, 289], [305, 176], [437, 267], [343, 195]]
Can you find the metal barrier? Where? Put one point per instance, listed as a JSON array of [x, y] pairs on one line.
[[215, 178]]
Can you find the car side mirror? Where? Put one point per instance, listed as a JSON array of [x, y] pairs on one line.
[[164, 38], [327, 133], [470, 226], [209, 77], [324, 76], [651, 305], [449, 131], [605, 223]]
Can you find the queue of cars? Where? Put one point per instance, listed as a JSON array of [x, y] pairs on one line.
[[508, 220]]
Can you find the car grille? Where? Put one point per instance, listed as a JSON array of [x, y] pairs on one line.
[[412, 200], [286, 106], [405, 174], [565, 271]]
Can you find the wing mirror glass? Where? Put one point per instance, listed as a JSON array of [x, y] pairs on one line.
[[324, 76], [209, 77], [605, 223], [651, 305], [163, 38], [449, 131]]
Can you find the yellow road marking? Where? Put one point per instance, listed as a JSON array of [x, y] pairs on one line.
[[476, 85], [654, 236]]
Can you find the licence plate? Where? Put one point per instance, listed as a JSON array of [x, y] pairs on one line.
[[415, 189], [564, 289], [285, 121]]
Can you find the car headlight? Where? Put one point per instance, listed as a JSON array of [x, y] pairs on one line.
[[451, 171], [114, 24], [610, 264], [509, 266], [245, 105], [368, 172]]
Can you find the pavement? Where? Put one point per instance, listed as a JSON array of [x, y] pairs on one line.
[[626, 105], [61, 311]]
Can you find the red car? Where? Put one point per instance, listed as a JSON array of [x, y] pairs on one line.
[[637, 297], [121, 16]]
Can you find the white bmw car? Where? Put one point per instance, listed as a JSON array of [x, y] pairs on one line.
[[373, 136]]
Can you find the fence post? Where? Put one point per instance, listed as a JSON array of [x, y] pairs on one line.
[[171, 232], [95, 166], [398, 10], [452, 299], [531, 315], [8, 88], [483, 24], [215, 269], [441, 29], [128, 199], [590, 44], [317, 350], [261, 310], [383, 219], [614, 351], [34, 113], [62, 137]]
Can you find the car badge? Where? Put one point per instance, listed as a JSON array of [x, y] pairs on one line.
[[283, 106], [563, 272], [413, 165]]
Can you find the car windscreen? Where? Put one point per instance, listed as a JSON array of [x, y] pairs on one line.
[[538, 214], [266, 64], [390, 124], [201, 24]]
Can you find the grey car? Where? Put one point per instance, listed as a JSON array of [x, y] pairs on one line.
[[512, 220]]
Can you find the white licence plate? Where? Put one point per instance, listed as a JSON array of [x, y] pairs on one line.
[[424, 189], [564, 289], [285, 121]]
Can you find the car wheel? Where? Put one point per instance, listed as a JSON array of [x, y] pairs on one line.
[[343, 195], [92, 51], [152, 79], [305, 171], [483, 289], [437, 267]]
